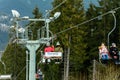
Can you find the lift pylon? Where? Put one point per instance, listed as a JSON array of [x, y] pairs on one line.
[[33, 45]]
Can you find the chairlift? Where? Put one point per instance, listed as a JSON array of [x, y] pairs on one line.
[[109, 57], [57, 56]]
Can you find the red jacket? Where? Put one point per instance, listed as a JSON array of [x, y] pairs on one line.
[[49, 49]]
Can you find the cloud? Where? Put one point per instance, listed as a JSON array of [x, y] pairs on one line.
[[4, 27], [3, 17]]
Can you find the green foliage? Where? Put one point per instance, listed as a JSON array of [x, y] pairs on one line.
[[36, 13], [14, 59], [109, 72], [51, 71]]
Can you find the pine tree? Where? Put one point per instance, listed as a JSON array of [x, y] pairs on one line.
[[35, 26], [95, 31], [14, 59], [72, 13]]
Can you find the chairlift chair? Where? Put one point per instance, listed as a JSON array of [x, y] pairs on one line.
[[51, 56]]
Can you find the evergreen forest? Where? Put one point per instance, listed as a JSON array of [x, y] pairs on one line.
[[80, 32]]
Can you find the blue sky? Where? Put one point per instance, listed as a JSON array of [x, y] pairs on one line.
[[30, 4], [87, 2]]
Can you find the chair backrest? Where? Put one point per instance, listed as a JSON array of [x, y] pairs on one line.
[[53, 55]]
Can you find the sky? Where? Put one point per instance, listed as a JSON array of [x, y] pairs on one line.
[[87, 2], [27, 6]]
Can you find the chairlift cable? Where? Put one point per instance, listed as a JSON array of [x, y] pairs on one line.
[[55, 7], [20, 72]]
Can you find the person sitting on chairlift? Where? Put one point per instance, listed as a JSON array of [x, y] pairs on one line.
[[114, 52], [48, 48], [103, 52], [58, 48]]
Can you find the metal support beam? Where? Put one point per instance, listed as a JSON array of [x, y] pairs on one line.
[[27, 65], [32, 47], [94, 69]]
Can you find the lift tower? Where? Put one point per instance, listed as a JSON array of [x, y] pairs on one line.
[[32, 45]]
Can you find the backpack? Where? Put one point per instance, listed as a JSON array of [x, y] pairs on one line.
[[104, 57]]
